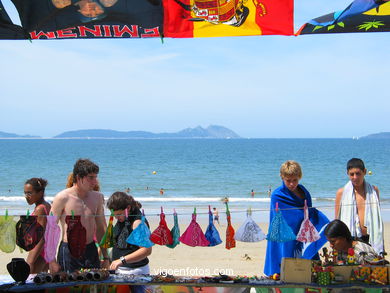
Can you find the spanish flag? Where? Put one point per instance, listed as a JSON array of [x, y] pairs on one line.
[[223, 18]]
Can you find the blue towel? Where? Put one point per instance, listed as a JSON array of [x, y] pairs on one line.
[[287, 203]]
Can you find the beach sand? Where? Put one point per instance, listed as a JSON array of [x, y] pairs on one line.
[[245, 259]]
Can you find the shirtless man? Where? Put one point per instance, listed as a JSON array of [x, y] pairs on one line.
[[351, 201], [82, 200]]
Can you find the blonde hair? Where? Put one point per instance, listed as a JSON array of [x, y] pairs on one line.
[[291, 168]]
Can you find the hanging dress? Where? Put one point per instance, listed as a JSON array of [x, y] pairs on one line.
[[175, 232], [52, 237], [279, 230], [140, 235], [249, 231], [7, 233], [230, 242], [307, 232], [193, 235], [162, 235], [76, 235], [212, 234]]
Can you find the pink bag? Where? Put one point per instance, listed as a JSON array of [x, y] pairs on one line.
[[194, 236], [307, 232], [52, 237]]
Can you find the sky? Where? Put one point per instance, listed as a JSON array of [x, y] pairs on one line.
[[311, 86]]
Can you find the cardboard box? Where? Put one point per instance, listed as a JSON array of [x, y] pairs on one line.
[[295, 270], [344, 271]]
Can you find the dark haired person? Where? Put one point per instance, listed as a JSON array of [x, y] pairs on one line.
[[34, 192], [340, 239], [357, 205], [127, 258], [81, 200]]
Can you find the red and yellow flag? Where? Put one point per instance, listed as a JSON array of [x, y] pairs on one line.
[[222, 18]]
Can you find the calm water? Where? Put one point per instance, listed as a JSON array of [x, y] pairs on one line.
[[192, 172]]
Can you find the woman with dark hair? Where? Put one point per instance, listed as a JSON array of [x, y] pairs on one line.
[[340, 239], [127, 258], [34, 191]]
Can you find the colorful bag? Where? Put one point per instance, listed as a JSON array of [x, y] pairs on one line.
[[162, 235], [28, 232], [7, 233], [230, 242], [175, 232], [307, 232], [212, 234], [140, 235], [193, 235], [52, 237], [77, 236], [249, 230], [108, 237], [279, 230]]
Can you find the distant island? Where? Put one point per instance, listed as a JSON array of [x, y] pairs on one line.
[[380, 135], [213, 131], [13, 135]]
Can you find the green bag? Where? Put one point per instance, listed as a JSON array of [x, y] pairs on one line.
[[7, 233]]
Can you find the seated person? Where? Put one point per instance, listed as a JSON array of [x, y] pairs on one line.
[[341, 240]]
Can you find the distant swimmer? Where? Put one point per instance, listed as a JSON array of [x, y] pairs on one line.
[[269, 191], [252, 193], [216, 215], [127, 190], [161, 191]]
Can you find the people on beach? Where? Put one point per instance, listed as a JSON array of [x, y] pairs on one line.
[[80, 201], [269, 191], [357, 205], [127, 258], [291, 197], [34, 192], [341, 240], [216, 215]]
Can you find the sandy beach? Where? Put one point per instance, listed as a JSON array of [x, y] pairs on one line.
[[244, 259]]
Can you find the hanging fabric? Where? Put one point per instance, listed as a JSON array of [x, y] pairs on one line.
[[162, 235], [212, 234], [7, 233], [52, 237], [249, 230], [193, 235], [175, 231], [76, 235], [307, 232], [279, 230], [28, 232], [141, 234], [108, 237], [230, 242]]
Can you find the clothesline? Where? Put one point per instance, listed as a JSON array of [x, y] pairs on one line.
[[223, 212]]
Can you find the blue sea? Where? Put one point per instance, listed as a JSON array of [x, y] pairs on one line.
[[192, 172]]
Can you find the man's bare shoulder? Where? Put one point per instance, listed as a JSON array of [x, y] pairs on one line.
[[63, 194], [95, 194], [340, 191]]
